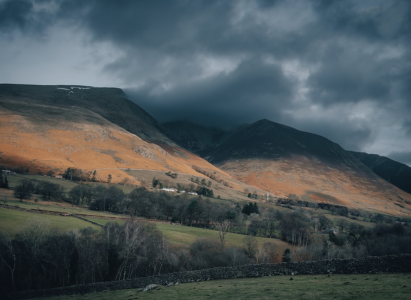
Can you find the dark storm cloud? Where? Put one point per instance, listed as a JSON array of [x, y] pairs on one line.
[[15, 14], [222, 100], [25, 16], [348, 77], [179, 28], [374, 20]]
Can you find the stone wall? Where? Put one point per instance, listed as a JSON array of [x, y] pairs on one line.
[[376, 264]]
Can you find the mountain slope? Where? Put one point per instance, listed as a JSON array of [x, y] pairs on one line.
[[394, 172], [56, 127], [284, 160], [109, 103]]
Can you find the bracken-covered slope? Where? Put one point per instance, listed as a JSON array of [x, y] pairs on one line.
[[56, 127], [394, 172], [283, 160]]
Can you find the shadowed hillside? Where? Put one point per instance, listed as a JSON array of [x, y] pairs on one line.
[[394, 172], [193, 137], [196, 138]]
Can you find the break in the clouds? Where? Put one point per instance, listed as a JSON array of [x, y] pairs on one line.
[[341, 69]]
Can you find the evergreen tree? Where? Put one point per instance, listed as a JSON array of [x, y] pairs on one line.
[[255, 208], [155, 182], [287, 258]]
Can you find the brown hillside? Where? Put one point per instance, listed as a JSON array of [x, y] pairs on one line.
[[44, 136]]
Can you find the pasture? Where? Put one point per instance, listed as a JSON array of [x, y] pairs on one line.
[[365, 286]]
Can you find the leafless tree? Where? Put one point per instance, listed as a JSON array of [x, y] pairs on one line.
[[250, 243], [133, 238], [267, 254], [8, 255], [222, 228]]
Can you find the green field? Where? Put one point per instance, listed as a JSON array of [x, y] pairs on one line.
[[186, 235], [12, 220], [374, 286], [55, 206], [67, 184]]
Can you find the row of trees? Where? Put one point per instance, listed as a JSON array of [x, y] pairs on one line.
[[49, 191]]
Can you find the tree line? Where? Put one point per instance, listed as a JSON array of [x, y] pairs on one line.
[[40, 257], [49, 191]]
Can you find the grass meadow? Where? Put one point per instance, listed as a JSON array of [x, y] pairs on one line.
[[372, 286], [12, 220]]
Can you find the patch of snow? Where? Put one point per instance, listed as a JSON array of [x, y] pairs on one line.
[[63, 89]]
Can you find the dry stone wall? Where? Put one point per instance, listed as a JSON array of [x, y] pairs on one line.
[[376, 264]]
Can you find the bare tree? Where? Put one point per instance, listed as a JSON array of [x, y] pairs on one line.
[[132, 240], [8, 255], [222, 228]]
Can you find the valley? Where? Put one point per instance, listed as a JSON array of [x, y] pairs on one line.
[[83, 164]]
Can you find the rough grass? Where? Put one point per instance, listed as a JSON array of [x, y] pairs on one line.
[[12, 220], [375, 286], [225, 193]]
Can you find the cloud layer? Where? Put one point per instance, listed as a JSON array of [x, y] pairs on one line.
[[341, 69]]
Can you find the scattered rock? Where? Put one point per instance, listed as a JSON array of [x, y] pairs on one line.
[[150, 287]]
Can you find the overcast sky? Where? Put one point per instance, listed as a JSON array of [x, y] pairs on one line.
[[341, 69]]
